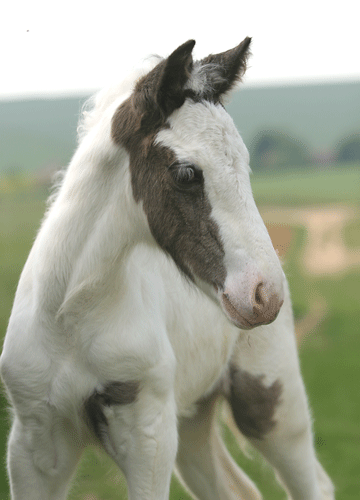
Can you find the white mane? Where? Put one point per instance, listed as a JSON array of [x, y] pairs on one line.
[[97, 104]]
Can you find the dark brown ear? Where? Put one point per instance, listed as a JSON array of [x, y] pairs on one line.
[[176, 72], [161, 91], [224, 70]]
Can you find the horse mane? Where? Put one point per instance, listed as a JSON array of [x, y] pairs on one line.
[[98, 103]]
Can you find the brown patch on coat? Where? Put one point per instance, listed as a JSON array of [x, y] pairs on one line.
[[253, 403], [114, 393]]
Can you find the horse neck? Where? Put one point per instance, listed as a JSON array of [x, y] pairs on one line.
[[93, 223]]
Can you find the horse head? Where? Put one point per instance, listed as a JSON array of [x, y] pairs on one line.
[[190, 171]]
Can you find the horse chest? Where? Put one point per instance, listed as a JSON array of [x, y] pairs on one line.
[[203, 341], [200, 336], [202, 357]]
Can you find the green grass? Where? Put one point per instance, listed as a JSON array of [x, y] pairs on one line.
[[329, 356], [330, 366], [352, 234], [20, 215], [308, 186]]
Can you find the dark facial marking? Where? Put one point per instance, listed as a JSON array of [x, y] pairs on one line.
[[253, 404], [114, 393], [178, 211], [178, 216]]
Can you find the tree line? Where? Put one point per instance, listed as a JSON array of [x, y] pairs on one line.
[[274, 150]]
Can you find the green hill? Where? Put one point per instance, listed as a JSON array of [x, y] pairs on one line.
[[318, 115], [38, 133]]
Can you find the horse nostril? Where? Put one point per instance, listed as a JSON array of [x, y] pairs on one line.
[[261, 308], [259, 299], [266, 305]]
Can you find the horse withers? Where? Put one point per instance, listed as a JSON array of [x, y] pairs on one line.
[[152, 291]]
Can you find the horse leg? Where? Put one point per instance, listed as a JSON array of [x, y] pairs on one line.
[[136, 424], [205, 464], [43, 452], [270, 407]]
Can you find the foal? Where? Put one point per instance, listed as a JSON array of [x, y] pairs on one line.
[[134, 311]]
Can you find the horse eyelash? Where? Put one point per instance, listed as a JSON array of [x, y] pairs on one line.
[[179, 168]]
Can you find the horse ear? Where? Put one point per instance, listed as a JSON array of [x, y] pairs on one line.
[[175, 73], [224, 70], [161, 91]]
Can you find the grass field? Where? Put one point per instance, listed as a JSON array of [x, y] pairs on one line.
[[340, 184], [329, 355]]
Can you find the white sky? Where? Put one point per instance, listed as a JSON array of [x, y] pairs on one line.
[[76, 45]]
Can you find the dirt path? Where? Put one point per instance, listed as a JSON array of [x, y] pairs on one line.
[[325, 252]]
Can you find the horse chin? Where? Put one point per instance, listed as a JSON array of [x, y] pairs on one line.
[[242, 325], [216, 294], [233, 314]]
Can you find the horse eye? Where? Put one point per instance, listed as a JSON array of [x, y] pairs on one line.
[[186, 175]]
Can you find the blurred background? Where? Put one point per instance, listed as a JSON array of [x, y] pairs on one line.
[[298, 112]]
